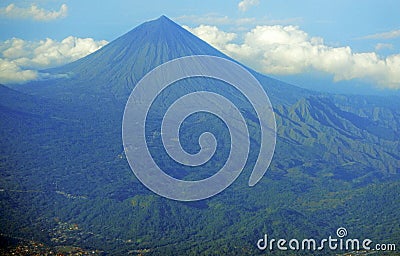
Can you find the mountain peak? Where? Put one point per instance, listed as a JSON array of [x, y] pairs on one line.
[[160, 23], [163, 18]]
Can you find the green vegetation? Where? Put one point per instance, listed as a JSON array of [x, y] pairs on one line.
[[61, 170]]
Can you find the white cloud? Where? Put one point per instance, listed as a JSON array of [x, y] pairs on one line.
[[10, 72], [289, 50], [20, 59], [33, 12], [245, 4], [213, 35], [384, 35]]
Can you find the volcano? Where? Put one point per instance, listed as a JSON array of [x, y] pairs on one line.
[[65, 181]]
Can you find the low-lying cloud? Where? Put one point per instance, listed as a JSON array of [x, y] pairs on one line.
[[20, 59], [289, 50]]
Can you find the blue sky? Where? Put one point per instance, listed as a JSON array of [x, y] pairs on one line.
[[340, 46]]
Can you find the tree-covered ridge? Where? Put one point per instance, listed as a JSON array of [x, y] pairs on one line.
[[322, 176]]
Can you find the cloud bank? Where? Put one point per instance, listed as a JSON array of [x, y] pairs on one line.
[[20, 59], [33, 12], [288, 50]]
